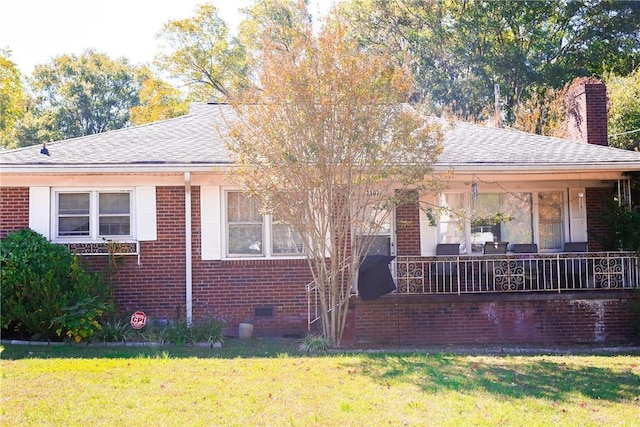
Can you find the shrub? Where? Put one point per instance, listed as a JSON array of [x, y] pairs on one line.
[[314, 344], [179, 332], [45, 291], [208, 330], [80, 320], [115, 330], [625, 233]]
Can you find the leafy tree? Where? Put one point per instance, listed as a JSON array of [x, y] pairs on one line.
[[12, 100], [81, 95], [36, 126], [158, 101], [277, 20], [462, 48], [328, 146], [544, 113], [199, 52], [624, 110]]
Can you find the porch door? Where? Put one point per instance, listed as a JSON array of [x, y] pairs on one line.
[[383, 242], [550, 220]]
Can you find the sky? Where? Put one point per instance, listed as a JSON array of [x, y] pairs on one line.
[[37, 30]]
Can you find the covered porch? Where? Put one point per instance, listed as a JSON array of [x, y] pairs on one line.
[[534, 298], [514, 273], [541, 299]]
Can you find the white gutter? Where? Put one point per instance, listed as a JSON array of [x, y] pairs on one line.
[[188, 245], [623, 165], [537, 168]]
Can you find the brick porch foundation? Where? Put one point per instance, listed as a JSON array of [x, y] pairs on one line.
[[578, 318]]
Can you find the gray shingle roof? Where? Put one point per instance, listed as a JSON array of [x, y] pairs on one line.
[[195, 140], [469, 144]]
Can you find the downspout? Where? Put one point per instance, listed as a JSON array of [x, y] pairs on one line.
[[188, 244]]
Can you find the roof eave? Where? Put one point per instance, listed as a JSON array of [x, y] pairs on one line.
[[207, 167]]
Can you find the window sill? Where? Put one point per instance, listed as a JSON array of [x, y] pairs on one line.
[[263, 257]]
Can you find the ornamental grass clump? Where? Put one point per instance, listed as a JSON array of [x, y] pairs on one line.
[[314, 344]]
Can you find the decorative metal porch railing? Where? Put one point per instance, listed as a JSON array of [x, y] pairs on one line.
[[518, 273]]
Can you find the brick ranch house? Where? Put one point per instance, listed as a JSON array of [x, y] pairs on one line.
[[159, 191]]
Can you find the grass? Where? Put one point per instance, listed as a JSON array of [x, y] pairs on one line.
[[270, 383]]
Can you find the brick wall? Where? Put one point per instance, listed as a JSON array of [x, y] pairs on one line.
[[233, 289], [494, 319], [274, 290], [157, 285], [408, 229], [230, 290], [14, 209]]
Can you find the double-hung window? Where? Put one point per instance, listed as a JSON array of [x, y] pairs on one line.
[[245, 225], [250, 233], [93, 215]]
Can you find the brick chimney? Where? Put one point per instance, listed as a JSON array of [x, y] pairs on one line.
[[586, 104]]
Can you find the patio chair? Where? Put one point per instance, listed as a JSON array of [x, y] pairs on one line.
[[489, 267], [529, 266], [448, 249], [525, 248], [576, 271], [495, 248], [446, 272], [576, 246]]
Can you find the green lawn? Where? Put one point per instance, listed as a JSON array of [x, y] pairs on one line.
[[269, 383]]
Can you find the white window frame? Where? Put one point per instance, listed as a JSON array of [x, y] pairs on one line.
[[534, 210], [373, 215], [465, 222], [267, 235], [94, 215]]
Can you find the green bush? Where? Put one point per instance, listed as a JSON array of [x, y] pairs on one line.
[[314, 344], [625, 228], [46, 293], [207, 330], [80, 320], [115, 330]]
